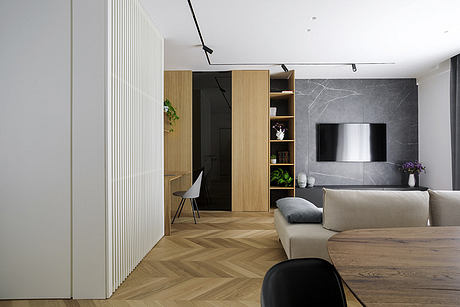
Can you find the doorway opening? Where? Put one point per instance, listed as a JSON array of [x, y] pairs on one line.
[[212, 138]]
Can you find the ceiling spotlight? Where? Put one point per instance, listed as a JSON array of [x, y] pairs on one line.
[[207, 49], [284, 68], [353, 67]]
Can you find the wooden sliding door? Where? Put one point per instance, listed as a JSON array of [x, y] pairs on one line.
[[250, 105]]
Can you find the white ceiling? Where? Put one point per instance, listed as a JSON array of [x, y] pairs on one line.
[[416, 35]]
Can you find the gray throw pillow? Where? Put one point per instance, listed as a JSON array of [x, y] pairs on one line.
[[299, 210]]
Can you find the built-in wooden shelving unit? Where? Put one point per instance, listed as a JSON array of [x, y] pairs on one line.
[[282, 96]]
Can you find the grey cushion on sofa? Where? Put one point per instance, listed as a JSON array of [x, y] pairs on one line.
[[444, 208], [299, 210]]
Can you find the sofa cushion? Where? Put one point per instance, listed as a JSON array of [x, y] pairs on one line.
[[302, 240], [299, 210], [444, 208], [355, 209]]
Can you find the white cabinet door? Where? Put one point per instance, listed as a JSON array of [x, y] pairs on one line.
[[35, 91]]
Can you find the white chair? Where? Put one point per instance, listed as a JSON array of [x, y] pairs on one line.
[[192, 194]]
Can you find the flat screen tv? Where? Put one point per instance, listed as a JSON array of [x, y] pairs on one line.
[[351, 142]]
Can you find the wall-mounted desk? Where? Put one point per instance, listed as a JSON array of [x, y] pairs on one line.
[[173, 182]]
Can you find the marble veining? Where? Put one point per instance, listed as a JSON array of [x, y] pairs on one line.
[[390, 101]]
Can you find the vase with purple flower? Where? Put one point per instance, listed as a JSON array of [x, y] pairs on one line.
[[280, 129], [412, 168]]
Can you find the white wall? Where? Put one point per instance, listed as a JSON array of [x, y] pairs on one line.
[[64, 218], [117, 143], [434, 127], [89, 179], [35, 112]]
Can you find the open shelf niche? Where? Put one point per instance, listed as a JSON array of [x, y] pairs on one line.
[[282, 97]]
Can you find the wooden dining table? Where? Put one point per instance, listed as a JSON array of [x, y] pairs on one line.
[[412, 266]]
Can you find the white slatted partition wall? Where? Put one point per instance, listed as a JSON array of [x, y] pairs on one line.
[[135, 138]]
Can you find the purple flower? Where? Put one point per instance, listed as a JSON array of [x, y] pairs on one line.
[[414, 167], [279, 127]]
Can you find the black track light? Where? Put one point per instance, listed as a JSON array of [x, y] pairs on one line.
[[353, 67], [207, 49], [284, 68]]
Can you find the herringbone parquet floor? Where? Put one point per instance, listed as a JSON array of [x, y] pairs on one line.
[[221, 261]]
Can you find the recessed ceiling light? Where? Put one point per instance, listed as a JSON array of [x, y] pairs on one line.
[[307, 30], [446, 31], [314, 18]]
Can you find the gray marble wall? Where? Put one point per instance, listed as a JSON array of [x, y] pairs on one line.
[[390, 101]]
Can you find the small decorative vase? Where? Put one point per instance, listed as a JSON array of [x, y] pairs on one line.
[[280, 135], [302, 180], [411, 182], [273, 161], [311, 181]]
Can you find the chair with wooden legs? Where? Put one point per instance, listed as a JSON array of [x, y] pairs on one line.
[[192, 194]]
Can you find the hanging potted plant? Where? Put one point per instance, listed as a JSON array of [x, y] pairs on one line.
[[170, 114]]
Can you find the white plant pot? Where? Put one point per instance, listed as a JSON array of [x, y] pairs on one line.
[[411, 182], [272, 111], [273, 161], [165, 109], [280, 135]]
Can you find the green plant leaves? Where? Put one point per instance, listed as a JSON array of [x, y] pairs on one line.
[[281, 178], [171, 114]]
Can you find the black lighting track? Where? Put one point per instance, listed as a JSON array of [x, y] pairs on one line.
[[208, 51]]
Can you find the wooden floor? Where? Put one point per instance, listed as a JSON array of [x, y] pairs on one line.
[[221, 261]]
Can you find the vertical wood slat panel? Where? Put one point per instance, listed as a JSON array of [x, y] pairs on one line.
[[136, 134]]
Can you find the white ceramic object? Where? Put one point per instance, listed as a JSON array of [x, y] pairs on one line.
[[272, 111], [302, 180], [273, 161], [165, 108], [280, 135], [411, 182], [311, 181]]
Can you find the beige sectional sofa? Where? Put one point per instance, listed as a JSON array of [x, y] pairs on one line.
[[356, 209]]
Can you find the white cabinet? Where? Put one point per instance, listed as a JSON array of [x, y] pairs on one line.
[[35, 194]]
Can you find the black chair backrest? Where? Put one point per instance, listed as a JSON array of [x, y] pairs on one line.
[[303, 282]]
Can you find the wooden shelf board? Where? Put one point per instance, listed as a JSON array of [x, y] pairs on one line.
[[282, 117], [282, 75], [280, 95], [281, 141], [282, 188], [282, 164]]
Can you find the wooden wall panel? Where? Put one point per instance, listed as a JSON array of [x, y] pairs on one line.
[[250, 108], [178, 144]]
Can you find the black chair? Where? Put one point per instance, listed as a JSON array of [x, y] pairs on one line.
[[302, 282]]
